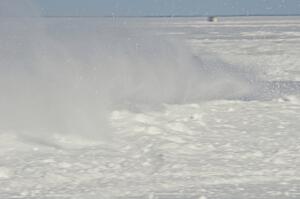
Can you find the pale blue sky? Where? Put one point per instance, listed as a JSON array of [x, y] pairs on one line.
[[148, 7], [169, 7]]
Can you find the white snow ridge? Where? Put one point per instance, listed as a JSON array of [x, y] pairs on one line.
[[158, 108]]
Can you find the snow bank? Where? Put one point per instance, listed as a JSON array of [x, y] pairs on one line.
[[66, 76]]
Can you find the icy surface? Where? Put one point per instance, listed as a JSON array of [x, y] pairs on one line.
[[217, 148]]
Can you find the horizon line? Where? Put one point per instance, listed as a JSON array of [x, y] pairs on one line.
[[154, 16]]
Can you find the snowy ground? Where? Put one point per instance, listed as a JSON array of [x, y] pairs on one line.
[[221, 149]]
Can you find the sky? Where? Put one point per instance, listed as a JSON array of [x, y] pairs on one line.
[[161, 7], [169, 7]]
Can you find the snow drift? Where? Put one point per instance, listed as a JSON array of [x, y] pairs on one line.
[[67, 75]]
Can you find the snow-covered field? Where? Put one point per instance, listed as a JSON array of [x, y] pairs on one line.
[[219, 143]]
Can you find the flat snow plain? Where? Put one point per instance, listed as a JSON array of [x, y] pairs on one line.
[[217, 149]]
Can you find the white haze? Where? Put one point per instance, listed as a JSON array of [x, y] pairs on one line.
[[67, 75]]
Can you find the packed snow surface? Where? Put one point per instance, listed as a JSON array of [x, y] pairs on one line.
[[154, 108]]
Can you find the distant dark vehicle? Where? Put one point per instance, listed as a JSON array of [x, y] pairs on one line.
[[212, 19]]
